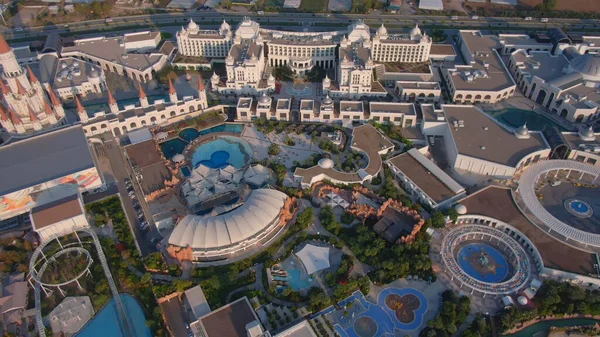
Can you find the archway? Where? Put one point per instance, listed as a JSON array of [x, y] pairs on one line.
[[117, 132], [411, 97], [579, 119], [541, 97], [532, 90], [133, 125], [564, 113], [153, 120], [172, 114], [550, 100], [487, 98]]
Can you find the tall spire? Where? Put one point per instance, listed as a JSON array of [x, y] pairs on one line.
[[3, 115], [47, 108], [80, 107], [20, 89], [111, 99], [171, 87], [200, 83], [53, 98], [32, 116], [5, 88], [15, 118], [4, 48], [32, 76], [142, 93]]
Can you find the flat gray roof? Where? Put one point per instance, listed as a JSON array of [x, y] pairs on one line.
[[42, 158], [349, 106], [113, 49], [483, 138], [481, 50], [358, 54], [242, 52], [438, 185], [73, 72], [543, 64], [405, 108], [229, 320]]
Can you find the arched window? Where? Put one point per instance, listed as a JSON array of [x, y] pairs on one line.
[[162, 117], [143, 122], [579, 119], [487, 97], [133, 125], [103, 126], [152, 120], [468, 97], [459, 96], [172, 114], [94, 129]]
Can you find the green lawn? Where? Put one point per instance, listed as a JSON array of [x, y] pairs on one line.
[[274, 3], [315, 6]]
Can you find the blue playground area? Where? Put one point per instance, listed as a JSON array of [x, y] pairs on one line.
[[396, 309], [106, 323]]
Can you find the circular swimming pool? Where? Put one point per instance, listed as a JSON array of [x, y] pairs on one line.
[[579, 208], [483, 262], [222, 152]]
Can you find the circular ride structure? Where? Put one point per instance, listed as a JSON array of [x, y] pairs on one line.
[[479, 257], [38, 275], [541, 170]]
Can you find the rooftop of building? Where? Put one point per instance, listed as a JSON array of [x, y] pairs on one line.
[[56, 211], [245, 51], [301, 329], [419, 85], [442, 49], [498, 203], [404, 108], [434, 182], [404, 67], [486, 70], [113, 49], [483, 138], [351, 106], [542, 64], [520, 39], [355, 53], [580, 95], [283, 103], [229, 320], [141, 36], [394, 224], [74, 72], [196, 301], [307, 104], [146, 157], [43, 158]]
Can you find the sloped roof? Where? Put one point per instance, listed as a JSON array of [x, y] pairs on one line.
[[213, 232]]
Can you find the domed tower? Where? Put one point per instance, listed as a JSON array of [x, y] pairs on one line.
[[326, 82], [382, 32], [522, 132], [143, 97], [415, 33], [172, 92], [23, 96]]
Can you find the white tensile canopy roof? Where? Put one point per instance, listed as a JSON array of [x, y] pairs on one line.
[[314, 258]]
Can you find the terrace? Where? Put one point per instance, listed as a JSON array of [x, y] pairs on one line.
[[401, 67]]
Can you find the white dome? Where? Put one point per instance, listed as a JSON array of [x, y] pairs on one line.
[[522, 300], [587, 134], [215, 76], [233, 230], [382, 30], [326, 163], [522, 132], [587, 64], [94, 73], [178, 158], [415, 32], [264, 99], [192, 25], [461, 209]]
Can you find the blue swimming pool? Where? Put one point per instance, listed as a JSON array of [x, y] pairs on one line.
[[172, 147], [297, 281], [222, 152], [237, 128], [483, 262], [185, 171], [396, 309], [189, 134], [105, 322]]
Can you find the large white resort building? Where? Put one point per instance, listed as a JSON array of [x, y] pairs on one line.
[[349, 56]]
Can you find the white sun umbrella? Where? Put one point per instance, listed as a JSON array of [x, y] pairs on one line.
[[258, 168], [203, 170], [249, 172], [256, 180], [331, 195], [237, 177], [314, 258], [225, 174], [229, 169], [205, 194]]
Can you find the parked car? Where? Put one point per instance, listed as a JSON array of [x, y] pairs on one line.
[[529, 18], [454, 17], [544, 19], [131, 194], [475, 17]]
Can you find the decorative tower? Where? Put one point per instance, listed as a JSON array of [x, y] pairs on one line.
[[143, 97], [17, 122], [23, 95], [172, 92], [202, 92], [112, 102], [214, 81], [81, 111], [5, 120], [58, 108], [33, 118]]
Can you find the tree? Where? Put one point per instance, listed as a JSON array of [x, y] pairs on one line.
[[226, 4], [305, 218], [438, 220], [274, 149], [546, 5]]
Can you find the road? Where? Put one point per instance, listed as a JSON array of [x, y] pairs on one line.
[[121, 170], [293, 21]]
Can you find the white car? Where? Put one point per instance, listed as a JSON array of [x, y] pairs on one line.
[[529, 18], [475, 17], [555, 183], [544, 19]]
